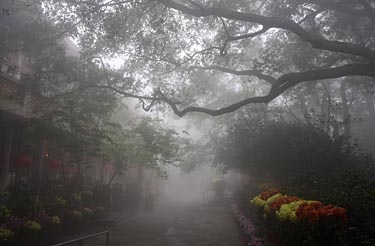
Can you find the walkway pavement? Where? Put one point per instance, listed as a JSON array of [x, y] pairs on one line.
[[176, 224]]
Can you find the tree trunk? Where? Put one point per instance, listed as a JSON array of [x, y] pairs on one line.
[[42, 154], [111, 179], [326, 109], [345, 109], [102, 172], [371, 110]]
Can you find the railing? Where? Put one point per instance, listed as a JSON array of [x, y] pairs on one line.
[[81, 239]]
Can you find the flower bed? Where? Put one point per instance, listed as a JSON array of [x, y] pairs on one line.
[[295, 209], [247, 227], [43, 220], [295, 221]]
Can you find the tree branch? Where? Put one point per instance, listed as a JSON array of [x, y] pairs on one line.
[[190, 57], [365, 11], [279, 85], [283, 83], [255, 73], [316, 41], [235, 38]]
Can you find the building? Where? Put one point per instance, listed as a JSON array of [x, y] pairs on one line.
[[17, 112]]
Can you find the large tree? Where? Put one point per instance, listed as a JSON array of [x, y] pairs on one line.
[[170, 47]]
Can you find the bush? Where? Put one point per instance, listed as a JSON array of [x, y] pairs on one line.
[[354, 190], [279, 152], [306, 162]]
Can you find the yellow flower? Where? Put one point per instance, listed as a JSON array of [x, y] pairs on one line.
[[60, 201], [4, 212], [33, 225], [288, 211], [257, 201], [77, 214], [267, 206], [5, 234], [76, 197], [273, 198], [55, 220], [293, 217]]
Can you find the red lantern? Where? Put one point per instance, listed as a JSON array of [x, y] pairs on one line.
[[54, 164], [23, 161]]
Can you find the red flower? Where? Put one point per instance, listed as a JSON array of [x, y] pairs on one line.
[[283, 200], [340, 213], [312, 215], [268, 193], [324, 212], [316, 211]]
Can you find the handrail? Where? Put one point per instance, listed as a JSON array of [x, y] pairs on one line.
[[80, 239]]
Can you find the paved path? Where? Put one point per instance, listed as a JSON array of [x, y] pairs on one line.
[[176, 224]]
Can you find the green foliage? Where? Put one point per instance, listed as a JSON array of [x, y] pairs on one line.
[[308, 163], [22, 199], [352, 189], [143, 143], [193, 155], [285, 151], [167, 48], [43, 215], [285, 233]]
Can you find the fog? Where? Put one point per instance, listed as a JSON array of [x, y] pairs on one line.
[[189, 187], [187, 122]]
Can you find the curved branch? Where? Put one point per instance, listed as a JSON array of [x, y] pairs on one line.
[[128, 94], [310, 16], [255, 73], [235, 38], [280, 85], [291, 79], [316, 41], [283, 83]]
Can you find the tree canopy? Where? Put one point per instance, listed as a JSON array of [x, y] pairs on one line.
[[172, 50]]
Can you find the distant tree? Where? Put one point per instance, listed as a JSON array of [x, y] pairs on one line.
[[143, 144]]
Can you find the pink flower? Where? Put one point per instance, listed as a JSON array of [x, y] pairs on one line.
[[247, 226]]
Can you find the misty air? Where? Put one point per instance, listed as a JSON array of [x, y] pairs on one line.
[[187, 123]]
